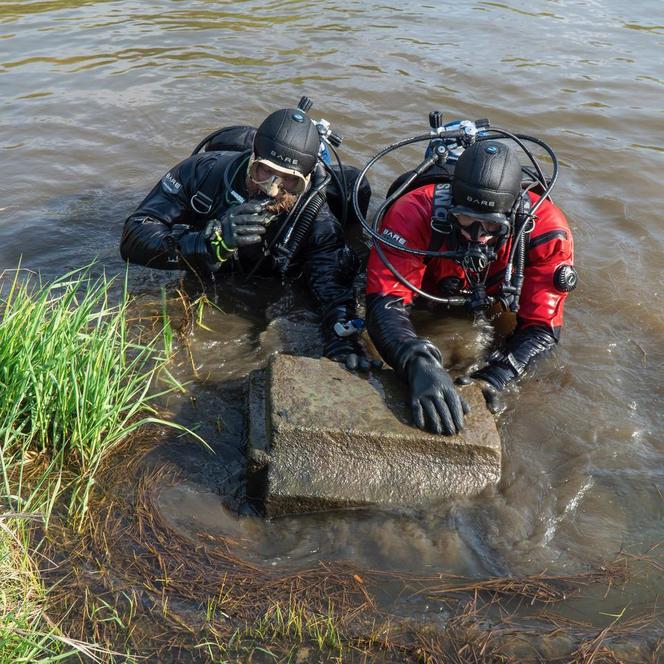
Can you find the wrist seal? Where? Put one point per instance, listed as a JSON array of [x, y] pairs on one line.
[[409, 350], [496, 375]]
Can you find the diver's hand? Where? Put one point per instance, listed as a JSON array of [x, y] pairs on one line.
[[435, 402], [492, 396], [242, 225], [349, 352]]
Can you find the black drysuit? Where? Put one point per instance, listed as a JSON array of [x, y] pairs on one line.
[[165, 232]]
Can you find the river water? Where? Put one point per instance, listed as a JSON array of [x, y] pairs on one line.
[[100, 98]]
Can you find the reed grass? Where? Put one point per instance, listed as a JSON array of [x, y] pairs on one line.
[[74, 384]]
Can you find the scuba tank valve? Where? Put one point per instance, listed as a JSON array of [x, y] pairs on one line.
[[327, 136]]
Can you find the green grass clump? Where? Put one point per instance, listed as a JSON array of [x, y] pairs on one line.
[[296, 624], [25, 633], [73, 386]]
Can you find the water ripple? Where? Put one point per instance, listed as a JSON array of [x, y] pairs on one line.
[[103, 96]]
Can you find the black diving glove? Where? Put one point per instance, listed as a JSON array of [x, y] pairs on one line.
[[242, 225], [492, 395], [435, 402], [506, 365], [493, 378], [341, 332], [349, 352]]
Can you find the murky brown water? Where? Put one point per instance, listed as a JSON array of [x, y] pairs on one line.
[[99, 98]]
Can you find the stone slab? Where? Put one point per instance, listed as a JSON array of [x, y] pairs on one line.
[[325, 438]]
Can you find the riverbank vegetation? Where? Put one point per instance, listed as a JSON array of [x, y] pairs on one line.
[[26, 633], [90, 570], [74, 385]]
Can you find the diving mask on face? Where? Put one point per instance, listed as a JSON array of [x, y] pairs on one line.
[[272, 178], [496, 226]]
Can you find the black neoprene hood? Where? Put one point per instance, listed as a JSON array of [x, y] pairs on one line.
[[487, 181], [288, 138]]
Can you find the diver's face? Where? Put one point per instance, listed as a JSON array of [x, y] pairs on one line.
[[282, 200], [263, 173], [478, 230], [273, 181]]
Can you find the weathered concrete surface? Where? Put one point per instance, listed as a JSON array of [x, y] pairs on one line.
[[328, 438]]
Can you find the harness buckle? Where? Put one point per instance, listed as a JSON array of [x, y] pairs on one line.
[[199, 198]]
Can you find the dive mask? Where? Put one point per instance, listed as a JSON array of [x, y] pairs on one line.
[[493, 225], [271, 178]]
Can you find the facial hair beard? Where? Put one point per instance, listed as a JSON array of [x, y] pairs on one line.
[[282, 202]]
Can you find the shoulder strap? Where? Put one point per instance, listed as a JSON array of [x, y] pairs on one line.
[[440, 226], [203, 199]]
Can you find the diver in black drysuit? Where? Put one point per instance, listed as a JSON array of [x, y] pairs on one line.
[[192, 219]]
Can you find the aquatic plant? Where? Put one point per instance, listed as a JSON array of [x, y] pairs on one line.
[[136, 582], [74, 384]]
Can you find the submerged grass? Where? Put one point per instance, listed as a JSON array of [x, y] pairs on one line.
[[25, 635], [167, 595]]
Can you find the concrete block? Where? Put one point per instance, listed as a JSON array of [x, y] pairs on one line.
[[325, 438]]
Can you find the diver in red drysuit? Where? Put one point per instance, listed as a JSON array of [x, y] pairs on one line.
[[474, 216]]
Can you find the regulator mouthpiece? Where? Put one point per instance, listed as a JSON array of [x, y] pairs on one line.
[[477, 257]]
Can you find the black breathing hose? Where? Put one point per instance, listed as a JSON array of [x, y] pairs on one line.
[[301, 226], [518, 258], [342, 184], [378, 239], [371, 229], [423, 167], [286, 250], [520, 265]]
